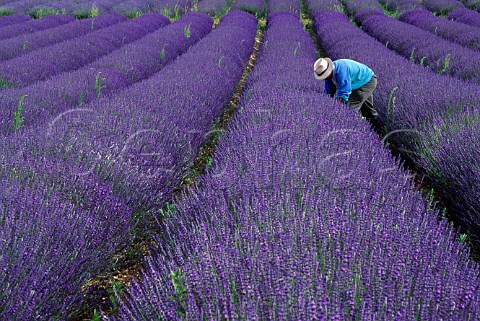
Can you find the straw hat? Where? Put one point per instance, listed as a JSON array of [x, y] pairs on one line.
[[323, 68]]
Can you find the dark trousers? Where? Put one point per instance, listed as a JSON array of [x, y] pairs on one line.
[[361, 99]]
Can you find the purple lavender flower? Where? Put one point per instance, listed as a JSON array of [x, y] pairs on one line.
[[13, 19], [32, 26], [466, 16]]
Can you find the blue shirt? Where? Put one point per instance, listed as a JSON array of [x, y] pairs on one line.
[[347, 75]]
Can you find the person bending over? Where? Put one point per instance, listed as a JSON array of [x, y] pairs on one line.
[[351, 82]]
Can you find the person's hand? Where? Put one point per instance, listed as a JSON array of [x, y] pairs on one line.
[[339, 100]]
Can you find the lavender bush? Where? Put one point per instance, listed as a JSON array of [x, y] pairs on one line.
[[287, 224], [130, 64], [21, 45], [13, 19], [75, 53], [460, 33], [465, 16], [354, 6], [442, 7], [34, 26], [424, 47]]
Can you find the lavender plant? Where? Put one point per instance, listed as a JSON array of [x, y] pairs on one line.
[[13, 19], [442, 7], [465, 16]]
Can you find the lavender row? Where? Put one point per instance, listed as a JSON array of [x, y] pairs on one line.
[[34, 26], [424, 47], [314, 6], [401, 5], [20, 6], [13, 19], [130, 64], [173, 8], [453, 31], [51, 158], [354, 6], [284, 5], [287, 224], [442, 7], [411, 101], [75, 53], [132, 8], [465, 16], [52, 246], [21, 45], [214, 7], [257, 7]]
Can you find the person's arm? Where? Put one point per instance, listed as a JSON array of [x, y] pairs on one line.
[[330, 88], [344, 83]]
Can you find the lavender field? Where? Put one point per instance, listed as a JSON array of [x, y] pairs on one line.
[[178, 160]]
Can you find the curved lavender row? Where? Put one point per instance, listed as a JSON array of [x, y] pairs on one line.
[[404, 99], [460, 33], [273, 233], [257, 7], [364, 14], [401, 5], [21, 45], [133, 7], [214, 7], [284, 5], [34, 26], [75, 53], [442, 7], [424, 47], [466, 16], [130, 64], [354, 6], [50, 248], [13, 19]]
